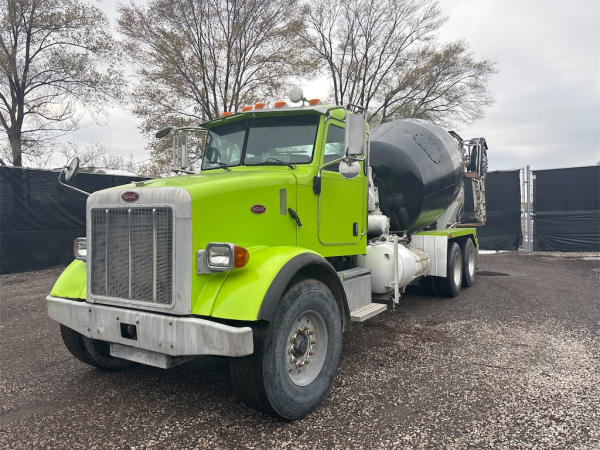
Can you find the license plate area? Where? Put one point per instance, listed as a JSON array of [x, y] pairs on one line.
[[128, 331]]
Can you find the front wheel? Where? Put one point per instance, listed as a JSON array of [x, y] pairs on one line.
[[295, 357], [91, 351]]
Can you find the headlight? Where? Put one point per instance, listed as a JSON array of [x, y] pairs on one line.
[[221, 256], [80, 249]]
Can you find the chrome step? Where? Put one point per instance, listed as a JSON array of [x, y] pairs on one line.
[[366, 312]]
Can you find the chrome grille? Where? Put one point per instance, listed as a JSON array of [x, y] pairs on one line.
[[132, 254]]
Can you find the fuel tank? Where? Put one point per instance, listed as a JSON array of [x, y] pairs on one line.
[[418, 169]]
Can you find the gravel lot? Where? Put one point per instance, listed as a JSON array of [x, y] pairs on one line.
[[513, 361]]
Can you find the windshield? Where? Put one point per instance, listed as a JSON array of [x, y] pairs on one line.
[[261, 141]]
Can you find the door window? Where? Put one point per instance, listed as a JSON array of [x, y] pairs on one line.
[[334, 146]]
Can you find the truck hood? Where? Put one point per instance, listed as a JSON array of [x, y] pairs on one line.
[[219, 182]]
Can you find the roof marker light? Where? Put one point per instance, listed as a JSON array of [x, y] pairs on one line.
[[227, 114], [247, 108], [279, 104], [314, 101], [259, 105]]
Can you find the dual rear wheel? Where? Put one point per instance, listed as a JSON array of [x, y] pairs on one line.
[[460, 270]]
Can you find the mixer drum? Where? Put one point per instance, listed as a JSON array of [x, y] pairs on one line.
[[418, 169]]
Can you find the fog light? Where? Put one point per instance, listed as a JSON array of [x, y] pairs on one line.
[[80, 249]]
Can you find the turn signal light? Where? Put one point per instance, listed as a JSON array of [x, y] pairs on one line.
[[279, 104], [314, 101], [246, 108], [240, 256], [227, 113], [260, 105]]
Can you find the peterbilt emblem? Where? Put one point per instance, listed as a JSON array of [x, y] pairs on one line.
[[130, 196], [258, 209]]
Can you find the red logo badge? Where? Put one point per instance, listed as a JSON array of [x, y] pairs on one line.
[[130, 196], [258, 209]]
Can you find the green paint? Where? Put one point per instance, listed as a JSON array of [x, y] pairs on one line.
[[71, 283], [451, 233], [221, 212], [242, 292]]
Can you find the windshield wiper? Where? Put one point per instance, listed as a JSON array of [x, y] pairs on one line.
[[269, 162], [222, 165]]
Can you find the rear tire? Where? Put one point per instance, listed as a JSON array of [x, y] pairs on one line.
[[469, 262], [306, 327], [450, 285], [91, 351]]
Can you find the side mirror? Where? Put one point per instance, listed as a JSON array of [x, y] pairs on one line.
[[188, 145], [163, 132], [349, 169], [68, 172], [71, 168], [355, 135]]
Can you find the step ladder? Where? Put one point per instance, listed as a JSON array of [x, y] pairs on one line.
[[366, 312], [357, 286]]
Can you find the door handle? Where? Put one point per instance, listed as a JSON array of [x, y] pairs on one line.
[[294, 215]]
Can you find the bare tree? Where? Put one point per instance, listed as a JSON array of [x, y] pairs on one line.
[[198, 58], [56, 58], [381, 54], [95, 158]]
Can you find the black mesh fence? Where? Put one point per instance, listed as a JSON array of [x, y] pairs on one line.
[[567, 209], [39, 218], [502, 230]]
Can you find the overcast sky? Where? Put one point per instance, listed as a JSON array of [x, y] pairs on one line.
[[547, 89]]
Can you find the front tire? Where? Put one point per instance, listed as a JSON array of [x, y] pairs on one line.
[[91, 351], [296, 356], [450, 285]]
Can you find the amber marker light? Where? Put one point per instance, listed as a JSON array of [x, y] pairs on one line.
[[247, 108], [240, 256], [227, 113], [260, 105], [314, 101], [279, 104]]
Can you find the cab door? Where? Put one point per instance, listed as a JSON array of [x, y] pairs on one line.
[[342, 208]]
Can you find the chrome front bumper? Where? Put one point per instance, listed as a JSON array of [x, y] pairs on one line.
[[159, 333]]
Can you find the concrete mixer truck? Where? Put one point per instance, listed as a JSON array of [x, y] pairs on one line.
[[299, 221]]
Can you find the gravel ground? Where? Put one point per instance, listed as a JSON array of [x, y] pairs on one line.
[[513, 361]]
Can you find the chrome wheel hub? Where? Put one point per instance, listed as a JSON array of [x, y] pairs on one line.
[[457, 273], [306, 348], [471, 264]]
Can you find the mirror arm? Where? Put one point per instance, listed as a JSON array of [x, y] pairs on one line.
[[357, 108], [330, 163], [355, 158], [69, 186], [333, 108]]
